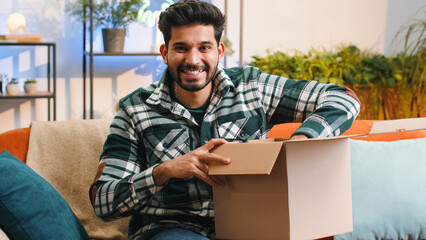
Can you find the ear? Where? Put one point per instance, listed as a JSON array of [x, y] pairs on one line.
[[221, 49], [163, 51]]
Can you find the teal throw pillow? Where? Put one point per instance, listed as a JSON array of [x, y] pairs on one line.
[[30, 208], [388, 190]]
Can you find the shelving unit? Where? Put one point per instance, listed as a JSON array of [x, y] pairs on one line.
[[89, 56], [51, 77]]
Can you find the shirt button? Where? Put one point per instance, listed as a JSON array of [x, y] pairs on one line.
[[206, 140], [242, 134]]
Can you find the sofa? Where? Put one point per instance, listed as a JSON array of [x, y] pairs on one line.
[[47, 168]]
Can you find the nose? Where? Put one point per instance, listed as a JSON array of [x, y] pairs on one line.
[[193, 57]]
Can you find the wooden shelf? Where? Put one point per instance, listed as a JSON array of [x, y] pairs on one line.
[[123, 54], [39, 94], [50, 94], [89, 56], [27, 44]]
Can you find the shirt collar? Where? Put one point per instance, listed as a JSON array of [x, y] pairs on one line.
[[161, 91], [222, 82]]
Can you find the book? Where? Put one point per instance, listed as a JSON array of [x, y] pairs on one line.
[[8, 41], [23, 38]]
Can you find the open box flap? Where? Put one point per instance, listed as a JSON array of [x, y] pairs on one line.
[[378, 127], [246, 158], [398, 125], [319, 139], [278, 139]]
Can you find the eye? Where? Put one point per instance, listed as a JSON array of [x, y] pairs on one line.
[[180, 49], [205, 48]]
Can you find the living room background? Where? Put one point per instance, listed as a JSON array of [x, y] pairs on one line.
[[267, 25]]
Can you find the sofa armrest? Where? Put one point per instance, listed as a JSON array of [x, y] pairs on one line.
[[16, 142]]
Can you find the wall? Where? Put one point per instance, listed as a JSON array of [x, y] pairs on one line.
[[300, 25], [269, 25]]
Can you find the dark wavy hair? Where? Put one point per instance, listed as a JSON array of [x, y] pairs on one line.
[[191, 12]]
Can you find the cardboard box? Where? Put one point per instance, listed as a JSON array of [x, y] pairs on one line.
[[280, 189]]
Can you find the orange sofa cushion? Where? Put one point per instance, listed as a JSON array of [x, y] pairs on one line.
[[358, 127], [16, 142]]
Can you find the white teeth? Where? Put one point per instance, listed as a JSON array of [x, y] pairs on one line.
[[192, 72]]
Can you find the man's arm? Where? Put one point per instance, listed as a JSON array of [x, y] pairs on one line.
[[299, 137], [325, 109], [121, 183], [334, 110], [125, 181]]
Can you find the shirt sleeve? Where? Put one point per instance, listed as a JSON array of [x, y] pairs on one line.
[[124, 180], [324, 109]]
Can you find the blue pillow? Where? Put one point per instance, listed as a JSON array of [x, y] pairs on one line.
[[30, 208], [388, 190]]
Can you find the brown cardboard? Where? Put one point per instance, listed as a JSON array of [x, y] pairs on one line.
[[301, 190], [245, 160], [398, 125], [280, 189]]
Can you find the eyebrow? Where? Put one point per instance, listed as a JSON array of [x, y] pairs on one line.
[[184, 44]]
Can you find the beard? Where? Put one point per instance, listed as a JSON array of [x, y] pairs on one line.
[[191, 86]]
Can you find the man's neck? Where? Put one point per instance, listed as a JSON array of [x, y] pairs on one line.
[[193, 99]]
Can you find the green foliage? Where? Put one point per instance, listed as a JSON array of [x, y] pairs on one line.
[[348, 65], [13, 81], [389, 87], [228, 45], [410, 63], [394, 87], [108, 13], [30, 81]]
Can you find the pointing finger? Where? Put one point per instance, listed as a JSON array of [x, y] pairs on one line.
[[213, 143]]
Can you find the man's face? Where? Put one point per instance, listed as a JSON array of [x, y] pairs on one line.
[[192, 56]]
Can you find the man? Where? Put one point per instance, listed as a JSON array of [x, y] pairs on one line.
[[154, 166]]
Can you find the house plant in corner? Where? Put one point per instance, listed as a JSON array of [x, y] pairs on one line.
[[30, 86], [12, 87], [113, 15]]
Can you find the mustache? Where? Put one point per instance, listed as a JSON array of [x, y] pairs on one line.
[[193, 67]]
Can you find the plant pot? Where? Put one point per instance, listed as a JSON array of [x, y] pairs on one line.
[[113, 40], [12, 89], [30, 87]]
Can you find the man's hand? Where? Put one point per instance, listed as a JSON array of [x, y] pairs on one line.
[[299, 137], [195, 163]]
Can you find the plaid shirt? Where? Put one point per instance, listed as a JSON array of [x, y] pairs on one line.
[[150, 128]]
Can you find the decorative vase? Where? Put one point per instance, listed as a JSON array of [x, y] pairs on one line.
[[30, 87], [113, 40], [12, 89]]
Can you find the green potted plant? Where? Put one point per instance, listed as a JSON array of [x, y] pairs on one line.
[[12, 87], [389, 87], [113, 15], [410, 65], [30, 86]]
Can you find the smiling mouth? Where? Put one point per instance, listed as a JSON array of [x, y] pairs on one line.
[[192, 72]]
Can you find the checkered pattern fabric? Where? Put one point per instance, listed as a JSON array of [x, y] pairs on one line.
[[150, 128]]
